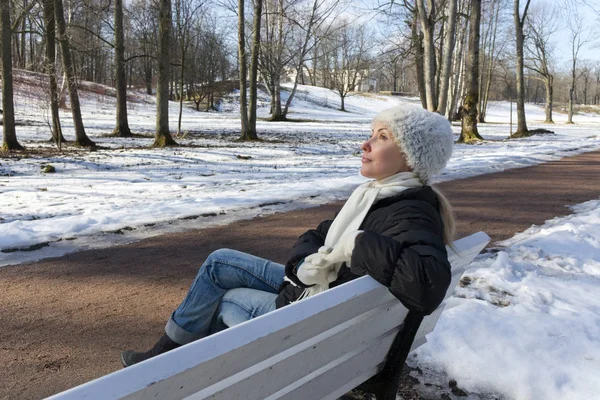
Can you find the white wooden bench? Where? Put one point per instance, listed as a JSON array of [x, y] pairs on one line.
[[318, 348]]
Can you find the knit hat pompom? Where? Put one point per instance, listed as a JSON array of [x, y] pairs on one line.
[[424, 137]]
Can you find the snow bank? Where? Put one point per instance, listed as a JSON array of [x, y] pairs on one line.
[[525, 323]]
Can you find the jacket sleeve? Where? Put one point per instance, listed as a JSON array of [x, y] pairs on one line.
[[411, 260], [308, 243]]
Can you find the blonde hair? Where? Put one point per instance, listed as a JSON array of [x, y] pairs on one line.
[[447, 218]]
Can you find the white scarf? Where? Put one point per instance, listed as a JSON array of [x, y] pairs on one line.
[[360, 201], [356, 208]]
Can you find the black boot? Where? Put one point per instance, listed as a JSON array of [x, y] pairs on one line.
[[164, 344]]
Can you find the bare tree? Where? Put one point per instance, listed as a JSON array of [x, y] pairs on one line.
[[163, 136], [89, 26], [81, 138], [22, 31], [210, 62], [144, 18], [274, 53], [489, 55], [417, 45], [248, 111], [243, 69], [250, 134], [469, 133], [186, 12], [394, 62], [122, 128], [317, 20], [421, 18], [50, 69], [9, 137], [427, 17], [578, 38], [459, 64], [349, 60], [541, 27], [449, 41], [519, 21]]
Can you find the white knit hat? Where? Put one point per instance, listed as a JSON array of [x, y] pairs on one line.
[[424, 137]]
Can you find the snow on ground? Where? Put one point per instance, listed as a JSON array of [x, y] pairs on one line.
[[525, 323], [126, 191]]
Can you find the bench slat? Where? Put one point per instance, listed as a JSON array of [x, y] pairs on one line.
[[358, 365], [325, 349]]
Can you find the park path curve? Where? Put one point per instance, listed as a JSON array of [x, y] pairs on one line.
[[64, 321]]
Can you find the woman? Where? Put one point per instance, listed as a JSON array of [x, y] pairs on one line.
[[393, 228]]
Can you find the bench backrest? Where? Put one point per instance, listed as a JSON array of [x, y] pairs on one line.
[[318, 348]]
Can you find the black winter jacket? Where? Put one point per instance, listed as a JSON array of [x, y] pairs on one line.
[[401, 247]]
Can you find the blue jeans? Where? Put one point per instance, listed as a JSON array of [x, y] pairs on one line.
[[231, 287]]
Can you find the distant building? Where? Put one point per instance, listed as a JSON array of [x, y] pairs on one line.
[[366, 82]]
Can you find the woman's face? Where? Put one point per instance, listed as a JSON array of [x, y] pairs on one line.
[[381, 155]]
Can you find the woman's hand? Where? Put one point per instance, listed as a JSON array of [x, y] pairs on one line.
[[319, 268], [311, 274], [341, 252]]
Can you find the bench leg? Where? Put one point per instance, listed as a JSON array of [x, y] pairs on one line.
[[385, 384]]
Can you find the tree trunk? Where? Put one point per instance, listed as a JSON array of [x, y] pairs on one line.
[[50, 69], [439, 56], [447, 62], [572, 89], [456, 78], [428, 53], [148, 73], [313, 81], [418, 46], [280, 51], [23, 58], [549, 83], [469, 133], [250, 133], [277, 111], [270, 86], [81, 138], [570, 115], [521, 121], [242, 68], [182, 70], [163, 136], [486, 93], [122, 128], [23, 38], [9, 137]]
